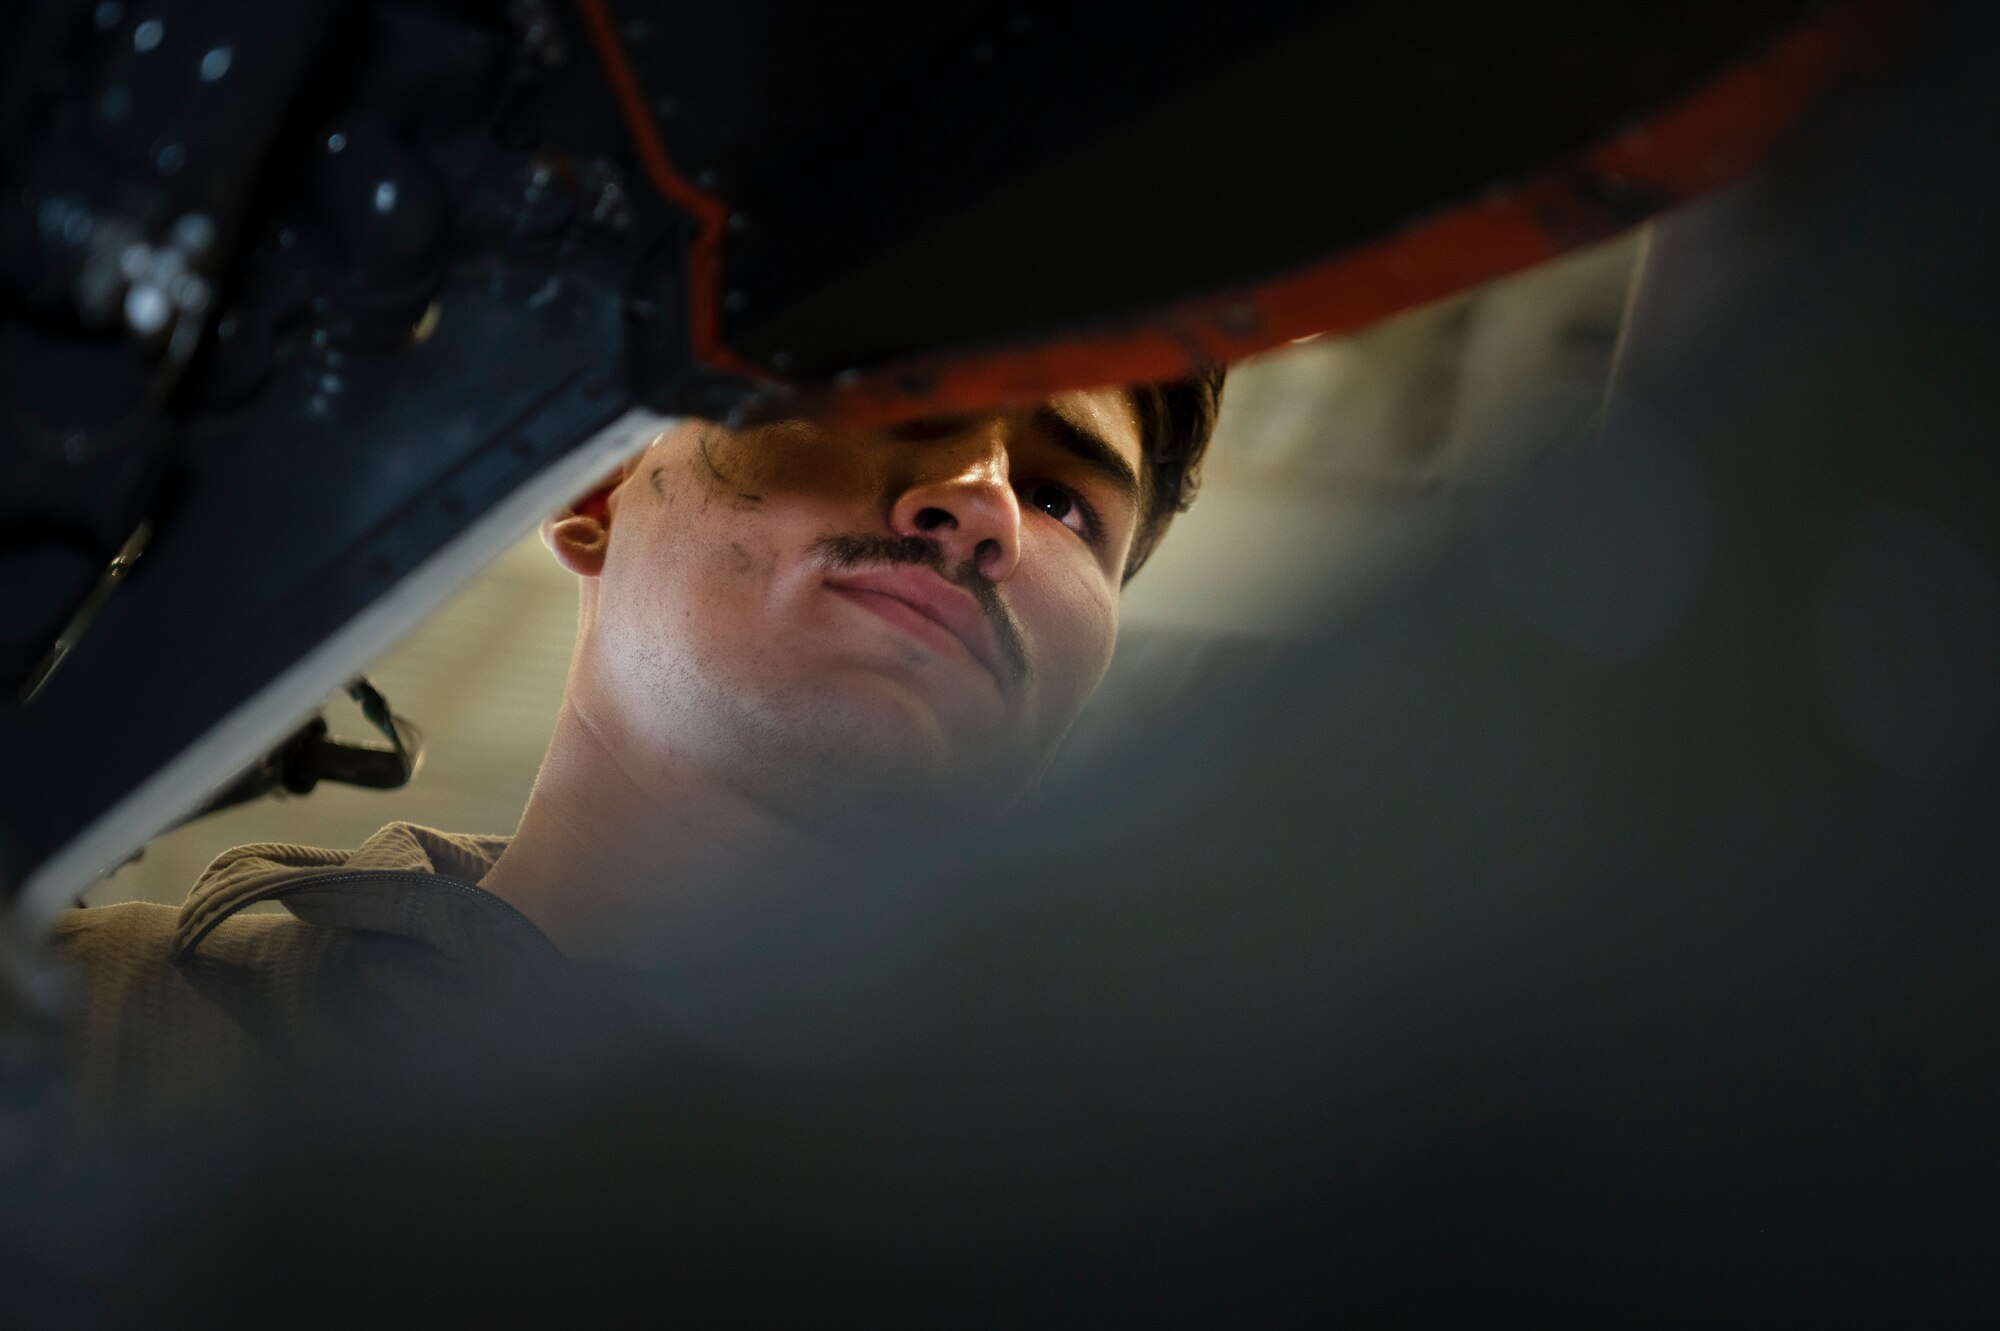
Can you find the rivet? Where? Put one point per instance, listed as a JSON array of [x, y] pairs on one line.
[[108, 15], [167, 265], [115, 103], [171, 159], [189, 292], [1239, 319], [735, 301], [215, 64], [335, 141], [194, 232], [148, 34], [146, 309]]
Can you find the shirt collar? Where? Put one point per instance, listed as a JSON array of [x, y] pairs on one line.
[[405, 881]]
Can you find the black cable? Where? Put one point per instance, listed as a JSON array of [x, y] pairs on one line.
[[310, 755]]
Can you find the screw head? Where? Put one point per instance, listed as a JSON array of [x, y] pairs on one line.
[[147, 309]]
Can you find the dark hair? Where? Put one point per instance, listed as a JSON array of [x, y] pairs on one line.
[[1176, 419]]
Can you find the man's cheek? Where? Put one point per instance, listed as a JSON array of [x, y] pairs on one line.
[[742, 470], [1085, 610], [747, 559], [794, 461]]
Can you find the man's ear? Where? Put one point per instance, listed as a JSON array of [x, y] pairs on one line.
[[580, 534]]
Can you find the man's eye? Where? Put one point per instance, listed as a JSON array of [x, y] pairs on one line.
[[1063, 505]]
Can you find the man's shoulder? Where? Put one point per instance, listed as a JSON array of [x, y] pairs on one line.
[[134, 942], [113, 935], [154, 1035]]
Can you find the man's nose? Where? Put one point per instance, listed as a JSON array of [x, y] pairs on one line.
[[962, 496]]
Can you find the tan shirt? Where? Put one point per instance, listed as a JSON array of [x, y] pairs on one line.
[[199, 1010]]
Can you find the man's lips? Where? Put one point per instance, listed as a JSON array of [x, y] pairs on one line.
[[927, 607]]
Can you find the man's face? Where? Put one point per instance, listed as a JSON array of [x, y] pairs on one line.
[[816, 614]]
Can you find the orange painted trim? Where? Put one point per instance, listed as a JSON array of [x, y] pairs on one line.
[[1711, 138], [711, 214]]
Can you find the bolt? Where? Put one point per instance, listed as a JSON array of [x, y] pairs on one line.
[[335, 141], [166, 266], [194, 232], [189, 292], [1239, 319], [147, 309], [385, 197]]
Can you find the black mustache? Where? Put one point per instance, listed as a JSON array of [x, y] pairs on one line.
[[922, 551]]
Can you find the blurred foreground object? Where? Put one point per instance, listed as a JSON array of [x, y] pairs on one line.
[[1600, 930], [309, 311]]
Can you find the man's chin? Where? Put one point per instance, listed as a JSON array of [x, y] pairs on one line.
[[878, 740]]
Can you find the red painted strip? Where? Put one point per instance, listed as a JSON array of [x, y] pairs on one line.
[[1713, 137], [711, 215]]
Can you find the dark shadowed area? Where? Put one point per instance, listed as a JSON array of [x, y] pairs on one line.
[[1596, 922]]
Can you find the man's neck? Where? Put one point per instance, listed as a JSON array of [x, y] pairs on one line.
[[609, 862]]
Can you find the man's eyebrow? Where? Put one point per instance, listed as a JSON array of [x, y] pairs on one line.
[[1090, 448]]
